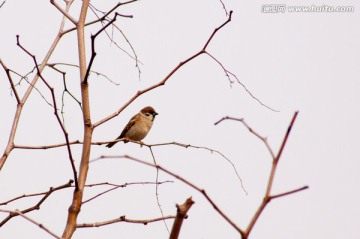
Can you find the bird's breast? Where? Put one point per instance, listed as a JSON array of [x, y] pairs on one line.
[[139, 130]]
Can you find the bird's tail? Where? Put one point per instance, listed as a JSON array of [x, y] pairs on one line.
[[109, 145]]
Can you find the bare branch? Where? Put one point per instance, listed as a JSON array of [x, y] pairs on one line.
[[10, 79], [18, 213], [39, 194], [180, 216], [214, 32], [268, 196], [93, 52], [289, 192], [55, 111], [64, 12], [263, 139], [118, 186], [123, 219], [205, 148], [19, 108], [162, 82], [142, 144], [224, 7], [277, 158], [135, 57], [202, 191], [228, 74], [35, 207], [157, 187], [53, 65], [25, 77], [63, 73]]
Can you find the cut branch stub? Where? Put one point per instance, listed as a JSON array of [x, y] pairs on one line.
[[180, 215]]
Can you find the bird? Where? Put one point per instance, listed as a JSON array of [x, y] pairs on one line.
[[138, 126]]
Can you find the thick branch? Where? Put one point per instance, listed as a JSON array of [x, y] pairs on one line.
[[75, 207]]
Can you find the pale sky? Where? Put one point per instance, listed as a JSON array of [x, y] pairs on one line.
[[305, 61]]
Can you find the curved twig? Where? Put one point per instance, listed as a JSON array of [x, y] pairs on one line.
[[55, 111], [200, 190], [162, 82]]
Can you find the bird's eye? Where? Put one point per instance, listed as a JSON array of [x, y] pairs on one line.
[[147, 114]]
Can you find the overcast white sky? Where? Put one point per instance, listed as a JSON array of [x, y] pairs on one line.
[[290, 61]]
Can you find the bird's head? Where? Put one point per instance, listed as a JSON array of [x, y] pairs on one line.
[[149, 112]]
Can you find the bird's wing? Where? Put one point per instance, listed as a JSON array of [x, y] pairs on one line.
[[127, 127]]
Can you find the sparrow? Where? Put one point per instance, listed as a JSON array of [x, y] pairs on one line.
[[138, 126]]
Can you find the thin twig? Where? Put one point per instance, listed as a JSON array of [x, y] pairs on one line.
[[18, 213], [123, 219], [205, 148], [118, 186], [68, 184], [162, 82], [25, 77], [289, 192], [135, 57], [104, 16], [35, 207], [142, 144], [10, 79], [55, 111], [263, 139], [202, 191], [19, 108], [93, 52], [224, 7], [228, 74], [157, 188]]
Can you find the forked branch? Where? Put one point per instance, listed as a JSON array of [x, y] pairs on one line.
[[32, 84], [66, 135], [36, 206], [275, 158], [18, 213], [187, 182], [162, 82]]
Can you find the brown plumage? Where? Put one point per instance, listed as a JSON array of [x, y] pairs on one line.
[[138, 126]]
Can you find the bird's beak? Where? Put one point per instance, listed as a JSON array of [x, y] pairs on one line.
[[155, 113]]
